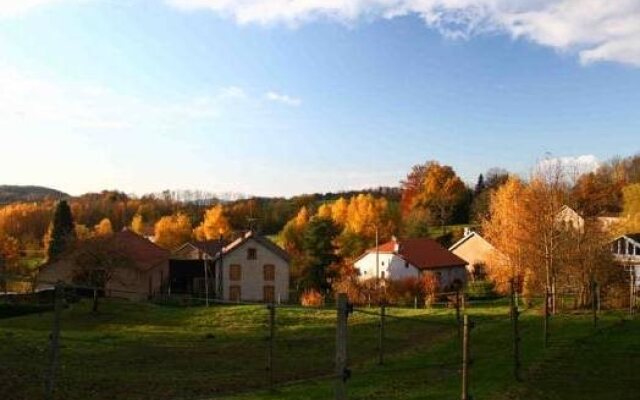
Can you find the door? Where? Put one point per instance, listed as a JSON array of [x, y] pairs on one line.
[[235, 293]]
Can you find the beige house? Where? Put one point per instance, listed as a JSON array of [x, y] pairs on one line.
[[252, 268], [143, 270], [475, 250]]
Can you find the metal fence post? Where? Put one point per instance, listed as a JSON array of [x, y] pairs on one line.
[[342, 372], [54, 342]]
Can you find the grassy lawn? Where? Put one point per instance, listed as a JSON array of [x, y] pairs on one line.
[[146, 351]]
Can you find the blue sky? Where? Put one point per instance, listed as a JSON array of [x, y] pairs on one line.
[[280, 97]]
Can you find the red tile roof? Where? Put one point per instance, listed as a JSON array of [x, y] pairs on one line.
[[145, 253], [427, 253], [424, 253]]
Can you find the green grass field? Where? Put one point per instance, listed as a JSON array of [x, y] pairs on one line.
[[146, 351]]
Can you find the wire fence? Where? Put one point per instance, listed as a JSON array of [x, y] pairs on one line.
[[79, 345]]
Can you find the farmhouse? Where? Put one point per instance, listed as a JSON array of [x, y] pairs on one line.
[[476, 251], [396, 260], [251, 268], [126, 265]]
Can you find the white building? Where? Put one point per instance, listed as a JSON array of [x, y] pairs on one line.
[[626, 251], [397, 260]]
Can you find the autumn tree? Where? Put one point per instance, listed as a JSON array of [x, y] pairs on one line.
[[137, 224], [103, 228], [631, 210], [9, 257], [438, 190], [173, 230], [62, 230], [214, 225], [291, 239]]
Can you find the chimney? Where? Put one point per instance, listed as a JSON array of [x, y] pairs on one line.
[[467, 231], [396, 244]]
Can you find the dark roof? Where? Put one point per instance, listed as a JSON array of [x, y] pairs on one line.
[[427, 253], [145, 253], [634, 236], [260, 239], [388, 247], [209, 247]]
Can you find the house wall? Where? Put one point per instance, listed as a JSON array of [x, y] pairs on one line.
[[393, 266], [448, 276], [189, 253], [252, 282], [127, 283], [475, 251]]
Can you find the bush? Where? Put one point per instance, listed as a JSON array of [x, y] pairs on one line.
[[480, 290], [311, 298]]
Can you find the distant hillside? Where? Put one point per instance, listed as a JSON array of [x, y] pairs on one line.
[[13, 193]]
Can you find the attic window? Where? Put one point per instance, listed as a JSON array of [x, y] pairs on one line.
[[638, 251], [252, 254], [406, 264]]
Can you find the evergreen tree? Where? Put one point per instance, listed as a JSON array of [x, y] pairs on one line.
[[320, 251], [62, 230], [480, 186]]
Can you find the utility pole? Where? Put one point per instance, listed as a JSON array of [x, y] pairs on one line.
[[377, 263]]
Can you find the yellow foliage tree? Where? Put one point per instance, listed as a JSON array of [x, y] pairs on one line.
[[137, 224], [631, 208], [214, 225], [104, 228], [172, 231]]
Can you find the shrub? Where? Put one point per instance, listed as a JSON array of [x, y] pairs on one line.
[[480, 290], [311, 298]]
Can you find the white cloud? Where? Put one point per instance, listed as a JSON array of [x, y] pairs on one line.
[[571, 166], [283, 98], [28, 102], [597, 30], [14, 8]]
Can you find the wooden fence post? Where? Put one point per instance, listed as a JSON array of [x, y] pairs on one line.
[[54, 342], [272, 329], [383, 310], [515, 314], [465, 358], [342, 373], [594, 303]]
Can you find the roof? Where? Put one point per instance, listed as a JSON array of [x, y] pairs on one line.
[[260, 239], [423, 253], [426, 253], [209, 247], [633, 236], [145, 253], [467, 237]]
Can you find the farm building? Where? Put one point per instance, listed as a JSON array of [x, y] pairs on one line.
[[251, 268], [626, 252], [475, 250], [125, 265], [397, 260]]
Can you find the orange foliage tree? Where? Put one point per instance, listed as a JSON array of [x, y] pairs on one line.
[[214, 225], [172, 231]]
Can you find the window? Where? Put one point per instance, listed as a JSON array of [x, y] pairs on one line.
[[268, 294], [630, 247], [235, 294], [269, 272], [406, 264], [235, 272], [252, 254], [638, 250], [383, 263]]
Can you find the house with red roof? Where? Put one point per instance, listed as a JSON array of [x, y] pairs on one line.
[[400, 259], [138, 269]]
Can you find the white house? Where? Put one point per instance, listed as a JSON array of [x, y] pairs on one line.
[[626, 251], [397, 260], [252, 268]]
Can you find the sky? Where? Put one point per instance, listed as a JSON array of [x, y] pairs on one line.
[[282, 97]]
